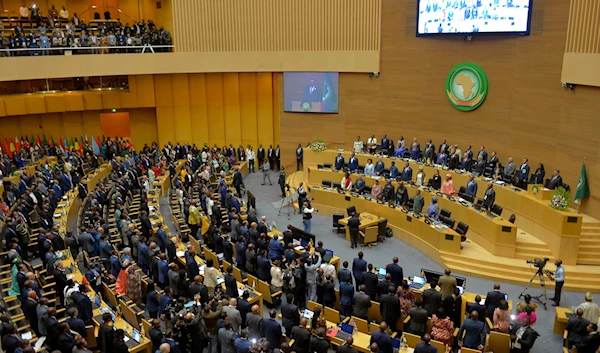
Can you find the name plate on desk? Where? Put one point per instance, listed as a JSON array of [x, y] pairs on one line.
[[409, 218], [506, 229], [347, 198], [449, 237], [572, 219]]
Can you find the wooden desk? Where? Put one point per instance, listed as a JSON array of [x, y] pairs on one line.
[[560, 319], [366, 220], [494, 233], [414, 231], [28, 169], [559, 229], [362, 341]]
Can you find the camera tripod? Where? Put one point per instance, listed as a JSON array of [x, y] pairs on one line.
[[540, 274], [287, 203]]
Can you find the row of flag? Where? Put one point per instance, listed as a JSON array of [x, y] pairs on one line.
[[10, 145]]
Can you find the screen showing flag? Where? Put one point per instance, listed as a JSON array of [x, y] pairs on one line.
[[310, 92]]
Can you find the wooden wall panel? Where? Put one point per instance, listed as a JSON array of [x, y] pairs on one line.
[[214, 100], [91, 123], [143, 126], [35, 104], [183, 123], [199, 113], [231, 102], [264, 111], [30, 124], [583, 32], [72, 124], [52, 125], [276, 25], [248, 108], [527, 114], [165, 125], [145, 91]]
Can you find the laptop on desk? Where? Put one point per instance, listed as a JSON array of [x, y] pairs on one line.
[[417, 282], [381, 274], [396, 344], [96, 303]]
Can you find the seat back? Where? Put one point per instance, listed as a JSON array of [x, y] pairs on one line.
[[361, 325], [332, 315], [447, 221], [512, 218], [382, 227], [445, 212], [462, 228], [439, 345], [326, 183], [371, 234], [499, 342], [412, 340], [312, 305], [336, 219], [497, 209], [462, 190]]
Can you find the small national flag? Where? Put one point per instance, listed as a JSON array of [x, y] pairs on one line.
[[38, 141], [17, 144], [98, 141], [12, 145], [51, 144], [583, 189], [7, 148], [44, 139]]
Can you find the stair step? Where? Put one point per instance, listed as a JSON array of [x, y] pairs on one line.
[[511, 278], [589, 244], [532, 250], [531, 245], [590, 230], [588, 261], [591, 224], [490, 268]]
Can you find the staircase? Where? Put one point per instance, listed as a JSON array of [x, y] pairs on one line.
[[530, 251], [517, 272], [589, 244]]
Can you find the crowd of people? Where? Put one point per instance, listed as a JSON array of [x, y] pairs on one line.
[[193, 312], [55, 31]]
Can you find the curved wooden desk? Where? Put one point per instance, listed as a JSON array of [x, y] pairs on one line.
[[494, 233], [414, 231], [559, 229]]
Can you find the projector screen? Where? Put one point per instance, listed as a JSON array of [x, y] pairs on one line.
[[473, 17], [310, 92]]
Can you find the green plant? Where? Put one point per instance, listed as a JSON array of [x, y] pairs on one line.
[[318, 145], [561, 199]]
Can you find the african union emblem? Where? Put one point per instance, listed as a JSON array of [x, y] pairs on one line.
[[306, 106], [466, 86]]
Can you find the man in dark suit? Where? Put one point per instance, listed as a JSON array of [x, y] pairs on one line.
[[358, 267], [524, 336], [344, 273], [489, 197], [591, 342], [383, 286], [318, 343], [244, 306], [82, 190], [289, 314], [492, 300], [481, 310], [29, 309], [370, 281], [346, 296], [255, 323], [66, 340], [555, 181], [362, 303], [474, 333], [156, 335], [261, 156], [389, 307], [465, 162], [339, 162], [272, 329], [231, 284], [264, 266], [75, 323], [10, 341], [312, 92], [576, 328], [424, 346], [382, 338], [432, 299], [301, 337], [84, 305], [346, 347], [418, 319], [396, 271], [354, 227], [523, 174], [479, 167]]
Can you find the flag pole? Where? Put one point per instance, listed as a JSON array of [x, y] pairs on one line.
[[579, 203]]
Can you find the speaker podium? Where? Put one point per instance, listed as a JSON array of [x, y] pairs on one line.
[[315, 107]]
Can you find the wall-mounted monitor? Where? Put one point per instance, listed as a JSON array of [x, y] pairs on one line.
[[310, 92], [473, 17]]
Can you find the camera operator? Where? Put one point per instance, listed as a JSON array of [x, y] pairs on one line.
[[210, 314], [307, 212], [559, 278], [301, 193], [195, 328]]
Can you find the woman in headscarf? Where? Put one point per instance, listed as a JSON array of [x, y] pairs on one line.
[[134, 285], [433, 210], [121, 285], [448, 186], [377, 190], [421, 176]]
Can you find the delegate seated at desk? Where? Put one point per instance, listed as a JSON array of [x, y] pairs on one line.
[[471, 188]]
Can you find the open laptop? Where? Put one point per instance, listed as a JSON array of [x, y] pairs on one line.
[[417, 282], [396, 344], [381, 274], [329, 252], [97, 303], [308, 314], [345, 331]]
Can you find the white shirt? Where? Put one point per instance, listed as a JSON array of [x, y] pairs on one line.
[[276, 277], [250, 154], [358, 146], [329, 269], [64, 13], [209, 205], [344, 184], [24, 11], [372, 141]]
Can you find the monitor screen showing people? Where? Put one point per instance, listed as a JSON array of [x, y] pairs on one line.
[[310, 92]]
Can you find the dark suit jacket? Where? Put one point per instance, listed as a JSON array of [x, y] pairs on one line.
[[319, 345], [418, 320], [82, 190], [432, 300], [156, 337], [383, 340], [30, 312], [78, 326], [390, 309], [152, 304], [589, 343], [346, 349], [346, 294], [290, 317], [329, 294], [264, 269], [244, 307], [492, 301], [231, 286], [577, 328], [396, 271], [477, 307], [362, 303], [255, 325], [425, 348], [554, 183], [272, 332], [475, 333], [528, 339], [344, 274], [301, 336], [383, 287], [370, 280], [358, 267], [85, 308]]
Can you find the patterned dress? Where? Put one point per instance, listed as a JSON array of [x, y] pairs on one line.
[[407, 299], [442, 329], [134, 285]]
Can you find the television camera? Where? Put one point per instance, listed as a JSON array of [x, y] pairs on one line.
[[539, 263]]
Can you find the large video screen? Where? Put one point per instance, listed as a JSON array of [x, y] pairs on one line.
[[310, 92], [473, 17]]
